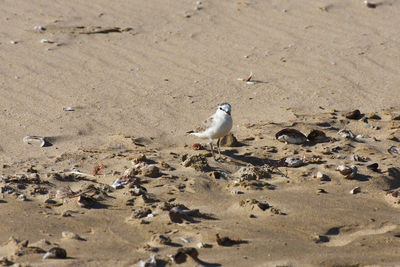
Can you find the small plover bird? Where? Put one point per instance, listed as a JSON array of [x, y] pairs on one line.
[[216, 126]]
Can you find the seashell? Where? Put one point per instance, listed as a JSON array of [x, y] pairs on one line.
[[68, 108], [317, 136], [353, 115], [45, 41], [394, 150], [347, 172], [290, 136], [236, 192], [294, 162], [28, 139], [346, 134], [370, 5], [55, 253], [119, 183], [39, 28], [355, 190], [197, 146]]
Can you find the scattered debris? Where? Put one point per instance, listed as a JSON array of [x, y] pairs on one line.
[[347, 172], [55, 253]]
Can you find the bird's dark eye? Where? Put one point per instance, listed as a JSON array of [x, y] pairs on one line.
[[220, 108]]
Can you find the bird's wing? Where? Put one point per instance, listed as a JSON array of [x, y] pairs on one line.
[[206, 124]]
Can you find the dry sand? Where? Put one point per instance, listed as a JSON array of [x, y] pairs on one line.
[[161, 67]]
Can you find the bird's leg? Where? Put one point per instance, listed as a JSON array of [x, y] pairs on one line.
[[212, 148], [219, 151]]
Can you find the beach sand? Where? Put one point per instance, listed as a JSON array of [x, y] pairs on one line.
[[106, 82]]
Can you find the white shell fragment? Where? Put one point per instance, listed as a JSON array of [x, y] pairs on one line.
[[68, 108], [355, 190], [28, 139]]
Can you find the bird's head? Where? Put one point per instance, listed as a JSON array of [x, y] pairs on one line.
[[225, 107]]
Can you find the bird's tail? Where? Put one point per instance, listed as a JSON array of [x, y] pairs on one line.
[[201, 135]]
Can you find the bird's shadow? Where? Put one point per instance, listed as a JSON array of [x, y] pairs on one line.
[[246, 159]]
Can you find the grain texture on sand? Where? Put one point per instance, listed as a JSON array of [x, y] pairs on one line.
[[140, 89]]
